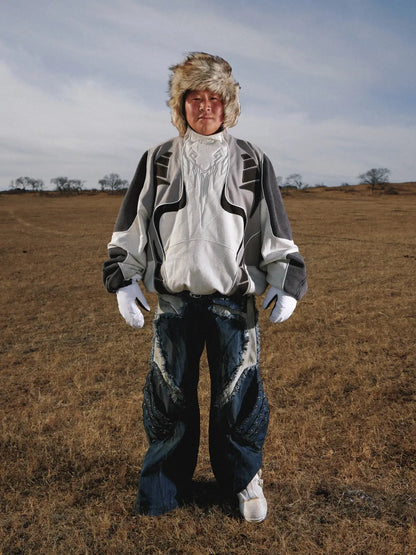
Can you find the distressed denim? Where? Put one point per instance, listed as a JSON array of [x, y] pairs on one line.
[[227, 327]]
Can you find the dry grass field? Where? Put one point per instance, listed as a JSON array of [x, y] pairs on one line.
[[340, 457]]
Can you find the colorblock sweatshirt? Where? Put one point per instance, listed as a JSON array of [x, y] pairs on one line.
[[204, 214]]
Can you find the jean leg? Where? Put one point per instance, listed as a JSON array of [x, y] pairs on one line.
[[170, 408], [239, 413]]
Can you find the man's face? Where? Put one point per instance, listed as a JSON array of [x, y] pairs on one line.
[[204, 111]]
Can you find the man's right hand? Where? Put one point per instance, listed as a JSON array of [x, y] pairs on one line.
[[127, 299]]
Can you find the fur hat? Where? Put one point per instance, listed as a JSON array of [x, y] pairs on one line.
[[202, 71]]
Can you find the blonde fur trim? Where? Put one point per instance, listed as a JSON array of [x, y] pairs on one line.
[[202, 71]]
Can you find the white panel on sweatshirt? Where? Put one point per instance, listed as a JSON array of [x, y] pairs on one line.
[[200, 253]]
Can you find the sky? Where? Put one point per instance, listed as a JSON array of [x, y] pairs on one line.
[[328, 87]]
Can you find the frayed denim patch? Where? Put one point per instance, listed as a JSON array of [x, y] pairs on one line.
[[253, 419], [159, 409]]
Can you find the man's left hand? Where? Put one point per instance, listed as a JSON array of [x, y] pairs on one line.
[[284, 304]]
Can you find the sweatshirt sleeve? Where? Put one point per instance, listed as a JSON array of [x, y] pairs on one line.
[[127, 248], [281, 260]]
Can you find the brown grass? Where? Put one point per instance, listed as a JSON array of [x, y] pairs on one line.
[[340, 457]]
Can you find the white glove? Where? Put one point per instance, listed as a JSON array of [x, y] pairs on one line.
[[127, 299], [284, 306]]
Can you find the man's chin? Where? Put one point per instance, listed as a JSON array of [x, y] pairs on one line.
[[206, 128]]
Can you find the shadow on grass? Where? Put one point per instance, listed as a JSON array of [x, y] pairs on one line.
[[207, 495]]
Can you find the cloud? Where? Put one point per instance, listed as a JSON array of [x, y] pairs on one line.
[[77, 131], [334, 150], [87, 129], [85, 83]]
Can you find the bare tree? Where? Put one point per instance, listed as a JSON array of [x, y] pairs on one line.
[[37, 184], [24, 182], [76, 185], [21, 183], [113, 182], [375, 177], [294, 181], [65, 185]]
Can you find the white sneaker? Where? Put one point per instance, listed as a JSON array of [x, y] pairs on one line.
[[253, 504]]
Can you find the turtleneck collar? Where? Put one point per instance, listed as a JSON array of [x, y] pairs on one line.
[[208, 139]]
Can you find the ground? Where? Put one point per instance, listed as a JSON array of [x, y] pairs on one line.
[[340, 456]]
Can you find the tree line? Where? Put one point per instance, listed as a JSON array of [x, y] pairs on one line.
[[111, 182], [374, 178]]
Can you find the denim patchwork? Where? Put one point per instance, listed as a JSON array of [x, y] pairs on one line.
[[227, 327]]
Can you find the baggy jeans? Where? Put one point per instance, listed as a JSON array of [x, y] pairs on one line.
[[239, 414]]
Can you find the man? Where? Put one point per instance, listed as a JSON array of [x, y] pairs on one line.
[[203, 225]]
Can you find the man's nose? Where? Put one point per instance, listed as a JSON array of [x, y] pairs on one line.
[[205, 105]]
